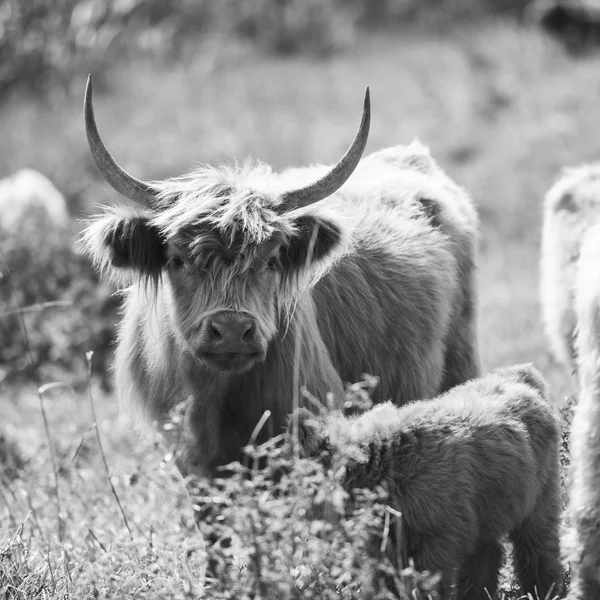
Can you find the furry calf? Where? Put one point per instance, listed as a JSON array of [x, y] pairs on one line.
[[464, 469], [583, 544], [571, 207]]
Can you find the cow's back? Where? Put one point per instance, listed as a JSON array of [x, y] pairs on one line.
[[401, 303]]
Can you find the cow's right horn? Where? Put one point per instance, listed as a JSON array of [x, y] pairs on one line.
[[115, 175], [337, 176]]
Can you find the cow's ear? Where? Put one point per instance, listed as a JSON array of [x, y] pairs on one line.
[[136, 244], [127, 242], [528, 374], [314, 239]]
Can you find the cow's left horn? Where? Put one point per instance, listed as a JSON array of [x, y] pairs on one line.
[[334, 179], [117, 177]]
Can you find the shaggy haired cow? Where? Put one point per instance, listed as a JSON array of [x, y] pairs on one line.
[[571, 207], [245, 284], [582, 546], [464, 469]]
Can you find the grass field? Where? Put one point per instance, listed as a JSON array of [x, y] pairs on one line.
[[502, 109]]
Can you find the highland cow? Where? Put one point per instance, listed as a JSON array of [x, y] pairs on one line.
[[582, 544], [571, 207], [246, 284], [464, 469]]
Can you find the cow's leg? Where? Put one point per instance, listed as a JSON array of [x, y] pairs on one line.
[[537, 548], [439, 555], [477, 577], [462, 356]]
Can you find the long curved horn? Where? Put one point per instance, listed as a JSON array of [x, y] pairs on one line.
[[116, 176], [334, 179]]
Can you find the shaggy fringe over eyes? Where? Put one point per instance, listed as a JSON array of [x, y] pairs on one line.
[[225, 198], [239, 202], [224, 211]]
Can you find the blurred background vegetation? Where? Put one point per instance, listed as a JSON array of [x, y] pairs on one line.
[[169, 65], [41, 41]]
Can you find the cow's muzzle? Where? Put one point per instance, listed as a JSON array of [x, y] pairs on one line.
[[231, 341]]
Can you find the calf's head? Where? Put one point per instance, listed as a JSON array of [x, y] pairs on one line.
[[224, 248]]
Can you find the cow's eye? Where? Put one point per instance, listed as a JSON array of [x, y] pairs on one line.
[[272, 262], [177, 262]]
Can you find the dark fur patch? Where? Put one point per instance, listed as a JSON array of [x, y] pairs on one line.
[[431, 210], [135, 244], [314, 239], [567, 203]]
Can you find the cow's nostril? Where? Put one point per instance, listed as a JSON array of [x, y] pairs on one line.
[[215, 334], [249, 333]]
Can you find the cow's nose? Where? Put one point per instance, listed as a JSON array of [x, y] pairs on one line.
[[229, 328]]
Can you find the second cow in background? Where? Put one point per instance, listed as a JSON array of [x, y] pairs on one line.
[[571, 207], [582, 543]]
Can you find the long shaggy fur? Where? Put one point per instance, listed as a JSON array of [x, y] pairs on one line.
[[571, 207], [582, 545], [464, 469], [388, 288]]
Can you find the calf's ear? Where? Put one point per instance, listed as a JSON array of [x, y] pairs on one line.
[[528, 374], [126, 242], [314, 240], [312, 436]]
